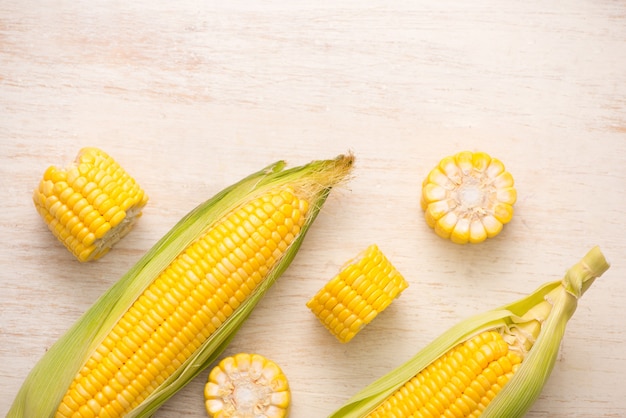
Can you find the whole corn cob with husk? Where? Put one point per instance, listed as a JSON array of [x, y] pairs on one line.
[[91, 205], [176, 310], [492, 365]]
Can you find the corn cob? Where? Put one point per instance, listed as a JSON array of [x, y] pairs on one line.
[[468, 197], [90, 206], [247, 386], [178, 308], [355, 296], [461, 383], [491, 365]]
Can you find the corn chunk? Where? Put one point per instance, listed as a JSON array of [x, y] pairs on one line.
[[91, 205], [354, 297]]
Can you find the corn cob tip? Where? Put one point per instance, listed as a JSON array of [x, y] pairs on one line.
[[468, 197], [578, 278], [247, 385], [363, 288], [91, 205]]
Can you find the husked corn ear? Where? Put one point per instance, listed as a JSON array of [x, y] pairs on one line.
[[493, 364], [461, 383], [355, 296], [91, 205], [247, 386], [172, 314], [468, 197], [191, 299]]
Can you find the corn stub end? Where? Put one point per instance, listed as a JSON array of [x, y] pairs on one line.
[[365, 287], [91, 205], [247, 385], [468, 197]]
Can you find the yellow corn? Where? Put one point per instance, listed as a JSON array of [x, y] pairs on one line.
[[190, 300], [461, 383], [468, 197], [177, 309], [90, 206], [355, 296], [247, 386], [493, 364]]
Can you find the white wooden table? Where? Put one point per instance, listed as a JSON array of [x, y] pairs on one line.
[[191, 96]]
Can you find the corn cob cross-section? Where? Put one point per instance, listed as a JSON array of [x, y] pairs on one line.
[[492, 365], [178, 308], [247, 386], [365, 287], [468, 197], [90, 206]]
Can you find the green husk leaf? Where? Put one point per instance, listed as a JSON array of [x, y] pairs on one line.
[[46, 384], [526, 384], [519, 394]]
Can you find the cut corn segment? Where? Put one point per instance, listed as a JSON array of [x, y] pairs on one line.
[[491, 365], [247, 386], [177, 309], [468, 197], [355, 296], [91, 205]]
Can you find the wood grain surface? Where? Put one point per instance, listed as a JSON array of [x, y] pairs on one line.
[[190, 96]]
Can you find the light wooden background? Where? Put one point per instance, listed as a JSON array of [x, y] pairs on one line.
[[190, 96]]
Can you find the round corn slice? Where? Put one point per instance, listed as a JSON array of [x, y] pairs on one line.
[[91, 205], [247, 386], [468, 197]]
